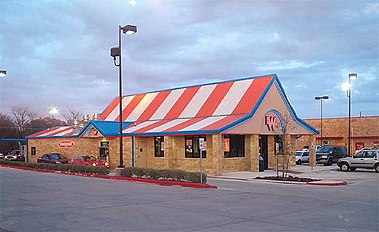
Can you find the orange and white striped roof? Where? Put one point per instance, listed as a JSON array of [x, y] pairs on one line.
[[60, 131], [197, 108]]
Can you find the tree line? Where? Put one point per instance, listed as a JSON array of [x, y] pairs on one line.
[[24, 121]]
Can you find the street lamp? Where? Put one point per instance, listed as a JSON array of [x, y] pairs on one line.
[[3, 73], [116, 52], [352, 76], [347, 88], [321, 98], [53, 110]]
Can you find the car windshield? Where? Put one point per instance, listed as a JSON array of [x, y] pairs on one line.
[[298, 153], [14, 152], [61, 156], [324, 149], [90, 158]]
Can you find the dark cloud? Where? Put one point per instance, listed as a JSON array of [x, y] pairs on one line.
[[57, 52]]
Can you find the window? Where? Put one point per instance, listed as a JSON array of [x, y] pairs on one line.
[[192, 147], [370, 154], [33, 151], [54, 156], [234, 146], [159, 146]]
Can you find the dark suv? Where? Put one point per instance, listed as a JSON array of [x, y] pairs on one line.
[[328, 155]]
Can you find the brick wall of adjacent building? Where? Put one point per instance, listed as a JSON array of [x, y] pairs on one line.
[[335, 131]]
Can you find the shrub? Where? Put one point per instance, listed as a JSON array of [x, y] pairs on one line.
[[175, 175], [59, 167], [127, 172]]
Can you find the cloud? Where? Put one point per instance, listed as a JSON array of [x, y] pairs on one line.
[[57, 52]]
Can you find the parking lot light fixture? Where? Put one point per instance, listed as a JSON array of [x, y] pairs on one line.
[[320, 98], [117, 52], [3, 73], [53, 111], [352, 76]]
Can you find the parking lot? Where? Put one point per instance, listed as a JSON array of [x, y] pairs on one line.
[[33, 201]]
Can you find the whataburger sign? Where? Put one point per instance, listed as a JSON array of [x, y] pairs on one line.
[[66, 144]]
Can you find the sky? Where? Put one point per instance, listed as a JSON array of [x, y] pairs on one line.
[[56, 53]]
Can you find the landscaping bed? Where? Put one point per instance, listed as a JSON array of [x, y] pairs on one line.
[[288, 178]]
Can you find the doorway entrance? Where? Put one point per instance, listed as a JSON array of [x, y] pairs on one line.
[[263, 148]]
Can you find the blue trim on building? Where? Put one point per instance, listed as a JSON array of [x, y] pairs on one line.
[[106, 128], [292, 111], [279, 116]]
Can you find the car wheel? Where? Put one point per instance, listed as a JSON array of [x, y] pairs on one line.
[[344, 167], [376, 167], [299, 162], [353, 169]]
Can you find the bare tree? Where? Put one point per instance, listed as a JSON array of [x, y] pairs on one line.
[[22, 117], [71, 114], [282, 130]]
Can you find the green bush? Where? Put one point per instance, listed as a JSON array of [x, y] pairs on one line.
[[59, 167]]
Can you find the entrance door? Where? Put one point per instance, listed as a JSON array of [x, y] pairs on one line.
[[141, 154], [263, 148]]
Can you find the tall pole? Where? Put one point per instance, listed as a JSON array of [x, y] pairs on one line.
[[321, 98], [348, 138], [321, 121], [120, 97]]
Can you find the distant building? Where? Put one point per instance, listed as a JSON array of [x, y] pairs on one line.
[[364, 132], [235, 121]]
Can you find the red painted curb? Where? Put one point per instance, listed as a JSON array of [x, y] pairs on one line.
[[160, 182], [327, 183]]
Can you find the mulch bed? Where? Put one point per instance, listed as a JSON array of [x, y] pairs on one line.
[[288, 178]]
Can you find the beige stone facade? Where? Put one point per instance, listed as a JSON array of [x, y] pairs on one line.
[[174, 154]]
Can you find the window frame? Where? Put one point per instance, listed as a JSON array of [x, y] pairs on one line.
[[236, 146], [158, 151], [193, 152]]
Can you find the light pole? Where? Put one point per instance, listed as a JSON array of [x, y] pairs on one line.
[[320, 98], [352, 76], [52, 111], [3, 73], [116, 52]]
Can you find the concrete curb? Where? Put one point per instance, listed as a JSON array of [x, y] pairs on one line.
[[160, 182], [318, 183], [327, 183]]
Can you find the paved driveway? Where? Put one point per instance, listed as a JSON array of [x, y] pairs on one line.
[[32, 201]]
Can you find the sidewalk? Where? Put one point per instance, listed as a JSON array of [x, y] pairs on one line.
[[326, 175]]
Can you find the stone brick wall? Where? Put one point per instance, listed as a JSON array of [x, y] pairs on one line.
[[335, 131]]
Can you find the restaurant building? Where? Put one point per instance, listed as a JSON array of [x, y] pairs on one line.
[[233, 121]]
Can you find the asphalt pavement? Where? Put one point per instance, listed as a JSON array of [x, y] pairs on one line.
[[34, 201]]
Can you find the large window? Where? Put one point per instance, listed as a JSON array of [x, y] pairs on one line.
[[192, 147], [234, 146], [159, 146]]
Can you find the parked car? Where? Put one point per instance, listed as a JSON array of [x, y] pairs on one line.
[[52, 158], [14, 155], [2, 156], [328, 155], [302, 157], [363, 159], [88, 160]]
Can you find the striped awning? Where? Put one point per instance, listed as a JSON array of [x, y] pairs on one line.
[[197, 109]]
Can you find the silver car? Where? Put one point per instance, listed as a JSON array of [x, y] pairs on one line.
[[368, 159], [302, 157]]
